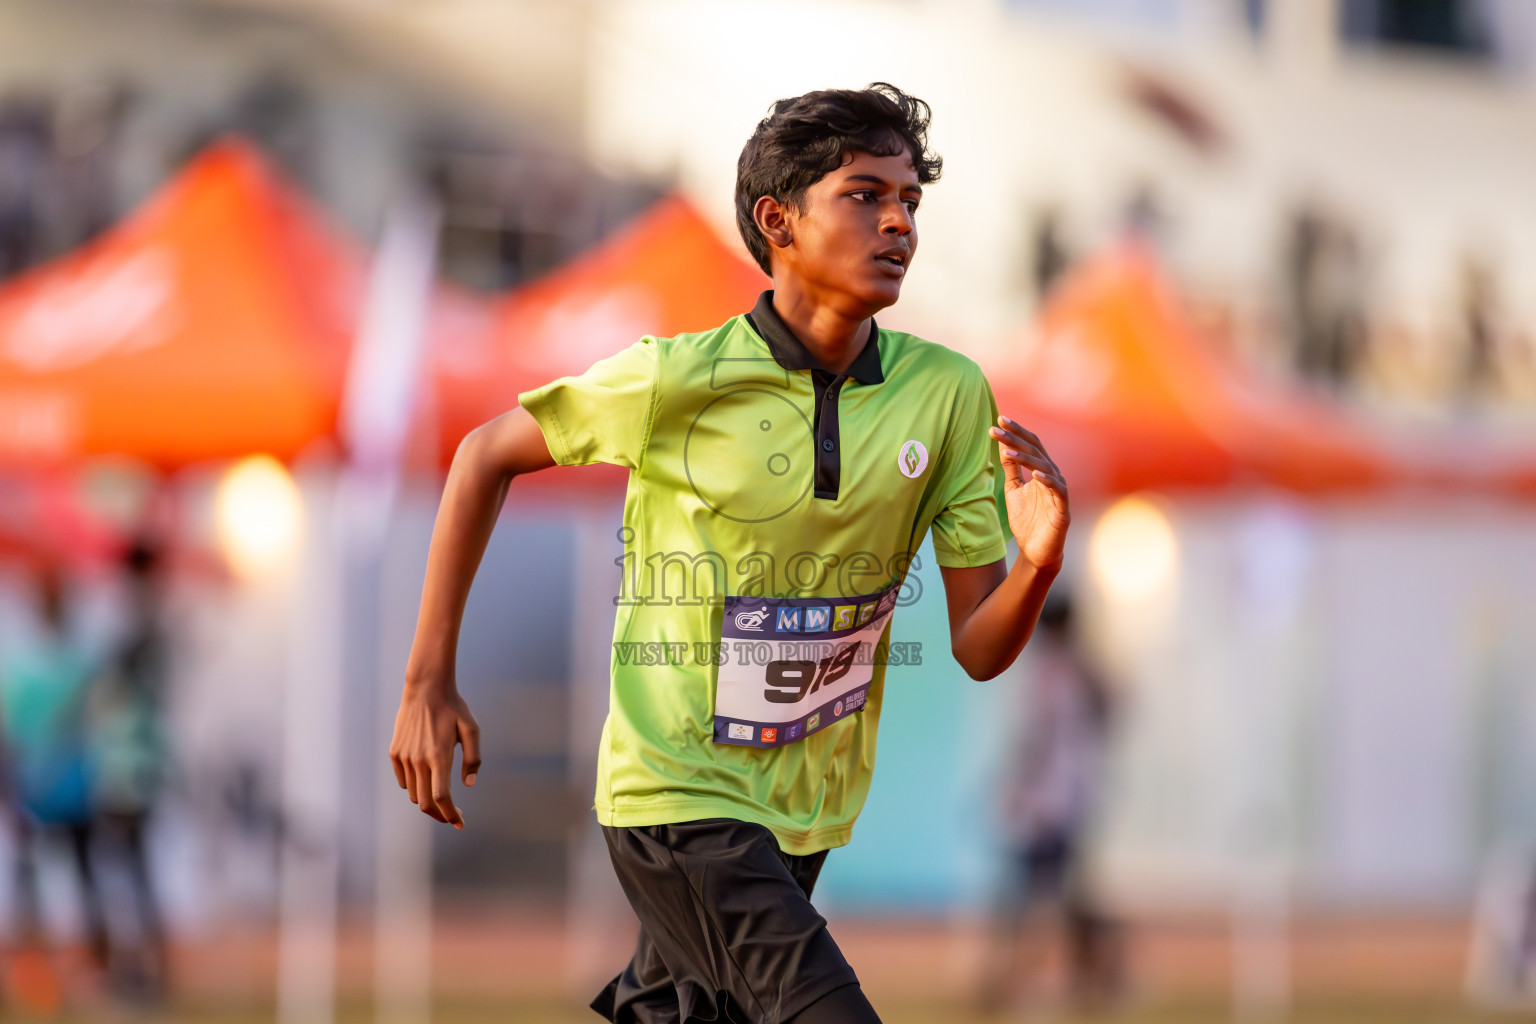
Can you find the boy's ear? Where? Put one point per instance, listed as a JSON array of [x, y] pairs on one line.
[[772, 218]]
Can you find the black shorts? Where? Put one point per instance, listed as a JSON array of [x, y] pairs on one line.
[[727, 930]]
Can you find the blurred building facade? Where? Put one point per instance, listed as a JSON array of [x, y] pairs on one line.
[[1340, 184], [1322, 176], [101, 102]]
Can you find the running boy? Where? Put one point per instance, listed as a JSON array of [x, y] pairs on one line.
[[784, 469]]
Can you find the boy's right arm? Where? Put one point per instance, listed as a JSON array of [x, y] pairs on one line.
[[433, 718]]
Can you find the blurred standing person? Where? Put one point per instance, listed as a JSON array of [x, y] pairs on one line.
[[1479, 334], [1049, 258], [24, 147], [1303, 245], [1144, 219], [45, 679], [1344, 290], [130, 751], [1050, 794], [88, 127], [1325, 281]]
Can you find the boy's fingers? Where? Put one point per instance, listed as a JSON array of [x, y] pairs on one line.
[[1016, 435], [442, 794], [1019, 428], [469, 738], [1016, 441], [399, 767], [451, 813], [1057, 488], [424, 784], [1017, 449], [409, 771], [1052, 481], [1038, 462]]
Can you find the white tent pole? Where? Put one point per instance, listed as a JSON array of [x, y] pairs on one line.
[[402, 916], [311, 779], [383, 385], [386, 387], [1275, 553]]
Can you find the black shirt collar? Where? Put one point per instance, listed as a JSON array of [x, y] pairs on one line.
[[790, 352]]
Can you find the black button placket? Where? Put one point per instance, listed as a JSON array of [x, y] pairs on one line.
[[789, 352], [829, 465]]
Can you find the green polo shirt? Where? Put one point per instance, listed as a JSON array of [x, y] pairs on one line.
[[772, 511]]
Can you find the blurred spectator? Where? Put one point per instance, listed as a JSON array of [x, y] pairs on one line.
[[58, 163], [87, 135], [1049, 258], [1143, 217], [1049, 797], [45, 679], [1502, 964], [24, 147], [1325, 296], [130, 752], [277, 112], [274, 111], [1479, 341]]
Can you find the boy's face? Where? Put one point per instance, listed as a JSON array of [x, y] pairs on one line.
[[855, 232]]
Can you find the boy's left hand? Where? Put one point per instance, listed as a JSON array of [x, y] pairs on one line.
[[1036, 493]]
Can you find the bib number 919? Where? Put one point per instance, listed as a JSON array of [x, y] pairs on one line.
[[789, 682]]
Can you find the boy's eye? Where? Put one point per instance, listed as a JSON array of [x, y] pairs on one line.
[[911, 205], [864, 195]]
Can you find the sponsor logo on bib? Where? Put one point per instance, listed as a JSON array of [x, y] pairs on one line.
[[816, 618], [770, 735], [752, 620], [912, 459], [837, 709], [737, 731], [813, 722]]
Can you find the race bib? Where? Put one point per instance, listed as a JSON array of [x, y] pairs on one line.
[[791, 666]]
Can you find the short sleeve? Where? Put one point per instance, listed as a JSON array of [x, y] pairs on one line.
[[968, 530], [604, 415]]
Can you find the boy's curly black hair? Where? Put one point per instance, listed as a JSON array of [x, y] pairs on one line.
[[805, 138]]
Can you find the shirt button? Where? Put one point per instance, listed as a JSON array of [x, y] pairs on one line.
[[827, 445]]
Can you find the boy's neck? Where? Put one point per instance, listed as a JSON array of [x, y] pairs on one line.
[[834, 333]]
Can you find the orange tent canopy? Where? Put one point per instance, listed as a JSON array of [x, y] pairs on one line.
[[1126, 396], [665, 273], [213, 322], [218, 319]]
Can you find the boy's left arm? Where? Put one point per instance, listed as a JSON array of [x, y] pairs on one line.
[[992, 609]]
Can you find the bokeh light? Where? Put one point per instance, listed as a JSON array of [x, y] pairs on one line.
[[258, 512], [1133, 552]]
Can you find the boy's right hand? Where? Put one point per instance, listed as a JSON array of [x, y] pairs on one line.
[[433, 717], [430, 722]]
